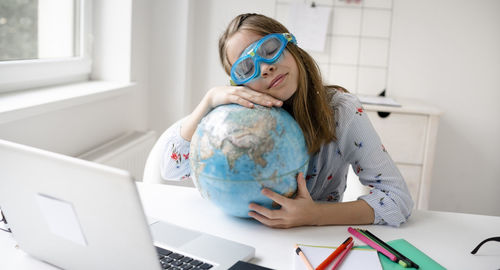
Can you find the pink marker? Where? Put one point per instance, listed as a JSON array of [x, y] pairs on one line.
[[372, 244], [342, 255]]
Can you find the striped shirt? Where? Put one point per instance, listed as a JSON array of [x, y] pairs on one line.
[[357, 144]]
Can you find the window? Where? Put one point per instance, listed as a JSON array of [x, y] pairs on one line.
[[43, 42]]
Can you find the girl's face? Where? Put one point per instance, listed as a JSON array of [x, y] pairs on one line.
[[278, 79]]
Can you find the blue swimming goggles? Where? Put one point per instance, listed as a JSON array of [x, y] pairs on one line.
[[267, 49]]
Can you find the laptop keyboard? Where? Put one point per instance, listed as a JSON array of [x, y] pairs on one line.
[[175, 261]]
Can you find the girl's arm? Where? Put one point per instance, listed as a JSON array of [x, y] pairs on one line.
[[302, 210], [362, 148]]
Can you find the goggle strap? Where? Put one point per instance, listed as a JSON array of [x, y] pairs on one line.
[[290, 37]]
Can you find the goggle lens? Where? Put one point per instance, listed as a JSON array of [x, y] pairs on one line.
[[244, 69], [270, 48]]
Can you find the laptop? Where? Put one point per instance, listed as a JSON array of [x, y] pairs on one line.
[[76, 214]]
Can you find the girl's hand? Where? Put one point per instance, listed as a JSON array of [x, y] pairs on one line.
[[301, 210], [240, 95]]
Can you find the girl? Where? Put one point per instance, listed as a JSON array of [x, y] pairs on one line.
[[267, 67]]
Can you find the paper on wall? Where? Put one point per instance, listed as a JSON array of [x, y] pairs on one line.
[[309, 25]]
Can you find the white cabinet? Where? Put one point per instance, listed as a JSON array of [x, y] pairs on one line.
[[403, 135], [409, 135]]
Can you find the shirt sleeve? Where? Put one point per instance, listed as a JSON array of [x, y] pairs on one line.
[[363, 149], [175, 156]]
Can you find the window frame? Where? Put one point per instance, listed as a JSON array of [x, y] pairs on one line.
[[36, 73]]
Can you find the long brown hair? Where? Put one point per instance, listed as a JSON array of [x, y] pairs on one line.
[[309, 105]]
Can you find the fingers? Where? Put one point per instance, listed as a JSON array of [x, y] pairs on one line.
[[301, 185], [241, 95], [258, 97], [293, 212], [268, 217], [274, 223], [279, 199], [241, 101], [263, 211]]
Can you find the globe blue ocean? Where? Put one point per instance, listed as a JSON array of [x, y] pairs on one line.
[[237, 151]]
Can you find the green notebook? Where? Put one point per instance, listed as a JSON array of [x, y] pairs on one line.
[[412, 253]]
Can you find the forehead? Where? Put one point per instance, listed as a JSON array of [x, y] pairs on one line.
[[238, 42]]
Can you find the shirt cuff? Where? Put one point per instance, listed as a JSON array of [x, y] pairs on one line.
[[385, 209]]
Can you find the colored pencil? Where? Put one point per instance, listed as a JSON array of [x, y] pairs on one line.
[[400, 256], [343, 255], [303, 257], [334, 254], [372, 243]]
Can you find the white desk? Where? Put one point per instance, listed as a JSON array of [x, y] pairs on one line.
[[446, 237]]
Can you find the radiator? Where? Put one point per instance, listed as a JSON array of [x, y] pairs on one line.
[[128, 151]]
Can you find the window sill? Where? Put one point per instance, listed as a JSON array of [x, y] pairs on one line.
[[23, 104]]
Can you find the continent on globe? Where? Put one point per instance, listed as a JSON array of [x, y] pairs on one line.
[[236, 151]]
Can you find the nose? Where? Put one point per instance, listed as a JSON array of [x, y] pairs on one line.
[[266, 69]]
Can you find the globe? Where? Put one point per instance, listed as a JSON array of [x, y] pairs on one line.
[[236, 151]]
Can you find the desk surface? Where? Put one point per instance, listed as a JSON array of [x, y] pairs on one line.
[[448, 238]]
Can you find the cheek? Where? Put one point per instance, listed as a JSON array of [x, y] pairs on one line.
[[256, 85], [289, 61], [292, 64]]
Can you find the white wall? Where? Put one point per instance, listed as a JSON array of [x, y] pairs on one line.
[[447, 53], [167, 57]]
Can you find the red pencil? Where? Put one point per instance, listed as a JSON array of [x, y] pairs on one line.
[[334, 254], [342, 255]]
